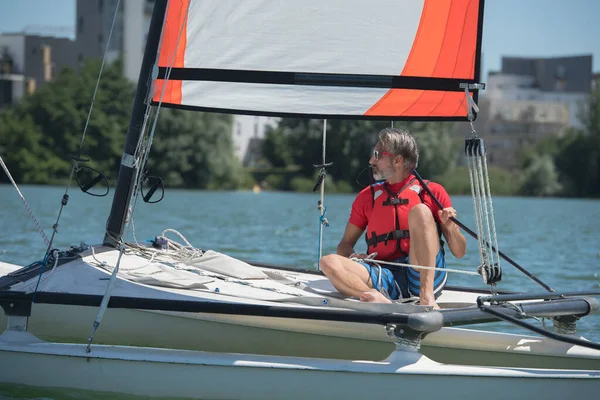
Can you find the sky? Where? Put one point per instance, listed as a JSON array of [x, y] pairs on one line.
[[522, 28]]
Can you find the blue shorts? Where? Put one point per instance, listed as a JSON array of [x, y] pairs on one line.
[[405, 282]]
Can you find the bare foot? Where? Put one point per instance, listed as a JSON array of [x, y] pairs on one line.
[[374, 296], [435, 306]]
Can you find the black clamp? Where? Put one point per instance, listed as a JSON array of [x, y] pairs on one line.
[[322, 175]]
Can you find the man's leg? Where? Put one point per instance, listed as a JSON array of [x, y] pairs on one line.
[[424, 247], [347, 276]]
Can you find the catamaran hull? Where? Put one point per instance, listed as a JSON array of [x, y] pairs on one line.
[[252, 334], [292, 337], [190, 374]]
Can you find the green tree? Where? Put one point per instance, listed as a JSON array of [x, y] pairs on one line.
[[438, 149], [54, 117], [38, 134], [195, 150], [298, 142], [540, 177], [578, 157], [20, 147]]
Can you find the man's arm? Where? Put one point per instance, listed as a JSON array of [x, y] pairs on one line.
[[351, 235], [454, 237]]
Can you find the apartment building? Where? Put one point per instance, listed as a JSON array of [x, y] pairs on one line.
[[128, 38], [530, 99], [27, 62]]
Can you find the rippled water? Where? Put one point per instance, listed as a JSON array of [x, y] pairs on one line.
[[558, 240]]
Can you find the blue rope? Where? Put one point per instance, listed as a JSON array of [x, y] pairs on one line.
[[322, 221], [322, 218], [37, 285]]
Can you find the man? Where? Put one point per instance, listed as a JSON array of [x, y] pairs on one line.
[[404, 225]]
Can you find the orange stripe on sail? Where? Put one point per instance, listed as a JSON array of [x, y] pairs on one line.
[[429, 39], [465, 45], [175, 19], [403, 104], [444, 47]]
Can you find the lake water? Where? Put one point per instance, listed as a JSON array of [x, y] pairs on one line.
[[557, 240]]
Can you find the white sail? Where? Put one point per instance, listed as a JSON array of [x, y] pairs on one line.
[[322, 59]]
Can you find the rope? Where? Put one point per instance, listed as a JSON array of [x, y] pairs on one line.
[[458, 271], [35, 221], [482, 199], [174, 254], [477, 213], [487, 182], [565, 327], [37, 285]]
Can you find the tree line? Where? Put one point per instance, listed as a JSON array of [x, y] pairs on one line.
[[40, 135]]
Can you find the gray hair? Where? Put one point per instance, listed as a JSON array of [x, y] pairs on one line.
[[401, 143]]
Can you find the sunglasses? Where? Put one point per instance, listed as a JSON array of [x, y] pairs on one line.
[[378, 153]]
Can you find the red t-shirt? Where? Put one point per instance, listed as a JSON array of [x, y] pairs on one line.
[[363, 204]]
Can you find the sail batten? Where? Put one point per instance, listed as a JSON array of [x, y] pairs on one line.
[[313, 79], [400, 59]]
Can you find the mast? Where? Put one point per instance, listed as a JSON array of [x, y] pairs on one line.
[[125, 181]]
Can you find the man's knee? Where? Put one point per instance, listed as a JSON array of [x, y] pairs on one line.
[[420, 214], [329, 264]]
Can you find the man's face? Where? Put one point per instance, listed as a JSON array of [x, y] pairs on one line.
[[382, 163]]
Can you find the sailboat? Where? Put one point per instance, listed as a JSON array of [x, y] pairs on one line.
[[189, 323]]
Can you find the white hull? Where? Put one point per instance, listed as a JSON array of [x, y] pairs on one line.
[[278, 336], [191, 374]]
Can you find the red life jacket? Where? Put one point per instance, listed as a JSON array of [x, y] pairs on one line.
[[387, 231]]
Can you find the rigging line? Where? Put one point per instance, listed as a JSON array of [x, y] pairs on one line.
[[112, 279], [143, 144], [489, 220], [138, 149], [77, 158], [35, 221], [494, 238], [99, 76], [474, 235], [484, 253], [458, 271], [552, 335], [75, 161], [144, 128], [475, 209], [321, 205], [146, 151], [480, 212]]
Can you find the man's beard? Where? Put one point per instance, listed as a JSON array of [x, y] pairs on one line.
[[379, 175]]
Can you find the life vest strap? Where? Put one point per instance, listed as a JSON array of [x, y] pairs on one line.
[[391, 235], [395, 201]]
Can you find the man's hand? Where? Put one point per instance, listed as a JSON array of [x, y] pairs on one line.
[[359, 256], [446, 214]]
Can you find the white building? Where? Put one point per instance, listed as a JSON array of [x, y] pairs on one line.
[[247, 128], [507, 90], [529, 100]]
